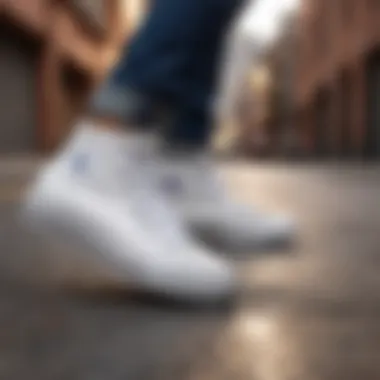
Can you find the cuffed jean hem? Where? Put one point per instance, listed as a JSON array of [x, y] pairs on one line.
[[122, 104]]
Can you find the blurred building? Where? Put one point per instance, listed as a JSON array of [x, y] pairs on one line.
[[52, 54], [268, 105], [338, 82], [282, 60], [236, 93], [254, 111]]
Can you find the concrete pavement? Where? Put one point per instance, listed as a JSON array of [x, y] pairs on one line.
[[311, 313]]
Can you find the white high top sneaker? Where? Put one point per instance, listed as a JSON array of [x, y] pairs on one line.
[[194, 186], [97, 195]]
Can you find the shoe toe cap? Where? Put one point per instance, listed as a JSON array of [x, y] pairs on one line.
[[266, 233], [198, 278], [217, 278], [279, 227]]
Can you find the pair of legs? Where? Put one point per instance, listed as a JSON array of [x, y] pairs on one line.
[[168, 75], [140, 209]]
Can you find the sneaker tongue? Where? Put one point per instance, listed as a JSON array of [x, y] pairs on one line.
[[104, 141], [109, 155], [90, 138]]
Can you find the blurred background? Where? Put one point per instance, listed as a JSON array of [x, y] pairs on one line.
[[315, 83], [311, 91], [53, 53]]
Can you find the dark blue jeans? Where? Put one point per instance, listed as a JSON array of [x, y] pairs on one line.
[[172, 64]]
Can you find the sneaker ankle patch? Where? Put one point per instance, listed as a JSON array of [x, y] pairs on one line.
[[80, 164], [172, 186]]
